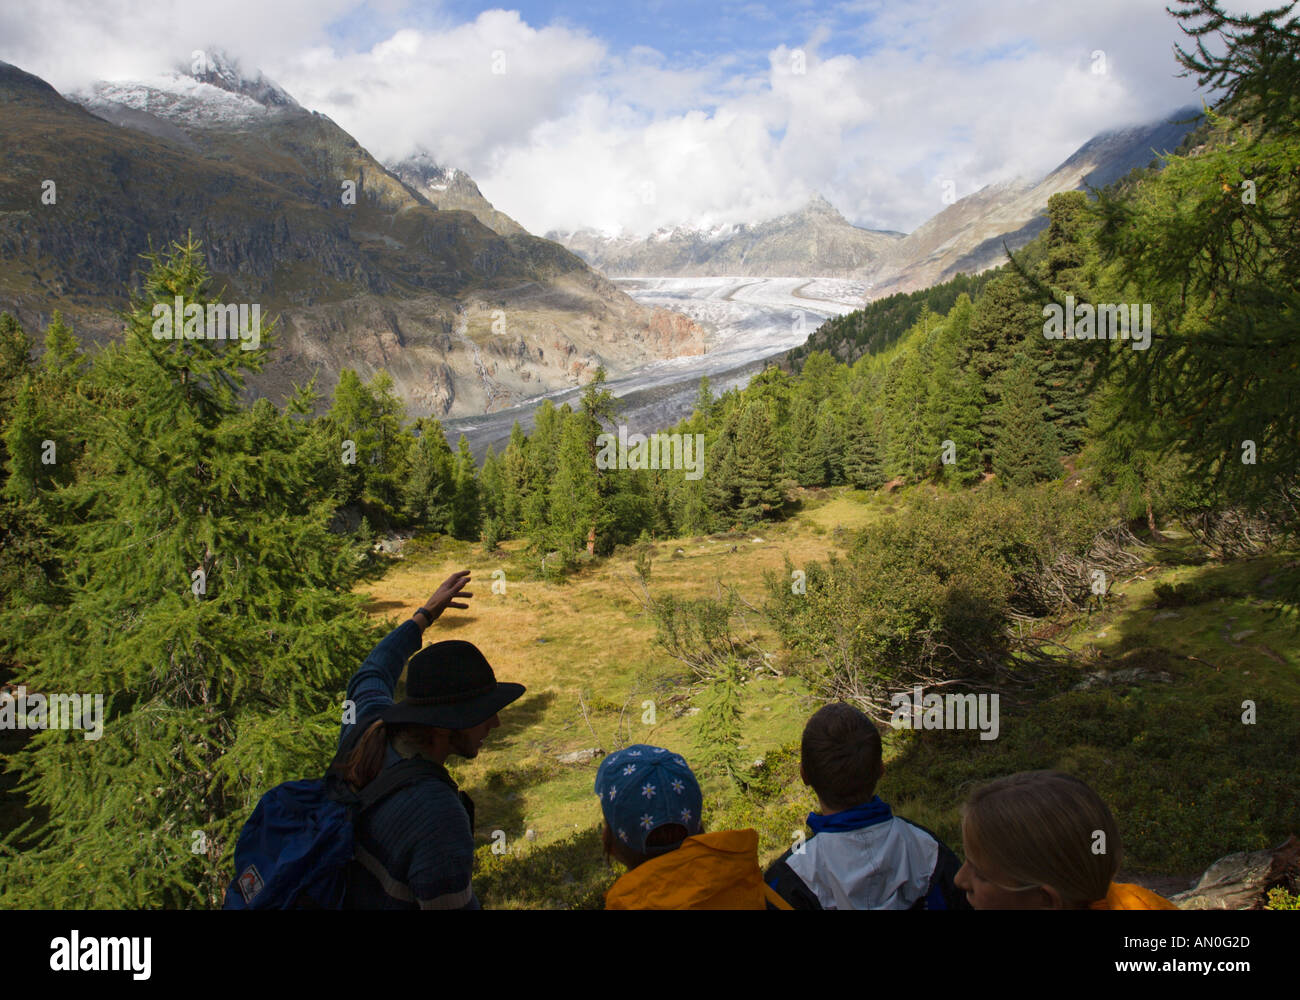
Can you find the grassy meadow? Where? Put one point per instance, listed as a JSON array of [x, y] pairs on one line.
[[1149, 708]]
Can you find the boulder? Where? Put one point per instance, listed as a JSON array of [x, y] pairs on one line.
[[1126, 675], [1241, 881], [580, 756]]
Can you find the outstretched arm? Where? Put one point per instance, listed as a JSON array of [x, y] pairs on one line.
[[371, 687]]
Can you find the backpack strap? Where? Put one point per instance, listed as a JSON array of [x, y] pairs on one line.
[[404, 772]]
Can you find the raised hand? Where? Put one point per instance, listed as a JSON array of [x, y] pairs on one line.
[[445, 596]]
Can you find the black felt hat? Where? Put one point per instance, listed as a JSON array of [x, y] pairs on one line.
[[450, 685]]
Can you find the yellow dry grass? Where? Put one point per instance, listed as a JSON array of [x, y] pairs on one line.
[[588, 642]]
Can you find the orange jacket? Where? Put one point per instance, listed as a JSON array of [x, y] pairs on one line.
[[1126, 896], [710, 871]]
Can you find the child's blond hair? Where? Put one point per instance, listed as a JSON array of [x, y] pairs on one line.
[[1044, 828]]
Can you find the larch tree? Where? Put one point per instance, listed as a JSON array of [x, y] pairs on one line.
[[207, 610]]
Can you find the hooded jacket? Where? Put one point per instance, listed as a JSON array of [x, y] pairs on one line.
[[710, 871]]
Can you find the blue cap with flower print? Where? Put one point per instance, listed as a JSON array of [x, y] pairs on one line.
[[643, 787]]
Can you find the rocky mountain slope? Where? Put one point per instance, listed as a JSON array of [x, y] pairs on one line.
[[815, 241], [967, 236], [452, 190], [465, 319]]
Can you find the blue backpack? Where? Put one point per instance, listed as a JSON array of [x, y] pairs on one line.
[[294, 851]]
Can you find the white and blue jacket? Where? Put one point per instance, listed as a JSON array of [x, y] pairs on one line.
[[866, 858]]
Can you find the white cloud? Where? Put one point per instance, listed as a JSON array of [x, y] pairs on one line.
[[892, 98], [463, 93], [71, 43]]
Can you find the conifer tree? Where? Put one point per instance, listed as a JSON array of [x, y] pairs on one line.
[[806, 453], [491, 494], [1024, 445], [687, 500], [1067, 214], [827, 447], [1062, 367], [514, 481], [206, 603], [15, 352], [543, 451], [599, 410], [704, 399], [429, 494], [575, 502], [756, 464], [718, 730], [62, 354], [23, 437], [466, 518], [863, 469], [1209, 242], [720, 477], [29, 561], [1133, 464], [908, 453], [773, 389], [1003, 320], [818, 375], [366, 422], [954, 400]]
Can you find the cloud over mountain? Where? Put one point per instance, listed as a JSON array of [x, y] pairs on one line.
[[721, 116]]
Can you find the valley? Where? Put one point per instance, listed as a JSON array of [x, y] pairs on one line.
[[746, 320]]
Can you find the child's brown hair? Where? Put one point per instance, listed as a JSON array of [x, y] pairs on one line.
[[841, 756]]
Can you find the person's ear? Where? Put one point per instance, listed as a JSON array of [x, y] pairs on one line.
[[803, 775]]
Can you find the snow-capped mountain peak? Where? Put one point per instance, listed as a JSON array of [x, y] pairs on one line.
[[450, 188], [217, 68], [209, 91]]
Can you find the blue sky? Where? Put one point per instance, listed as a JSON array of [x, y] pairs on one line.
[[630, 117], [681, 29], [686, 33]]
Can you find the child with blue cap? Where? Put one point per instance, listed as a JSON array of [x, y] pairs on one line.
[[652, 805]]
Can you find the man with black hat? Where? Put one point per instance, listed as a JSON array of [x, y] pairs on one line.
[[414, 849]]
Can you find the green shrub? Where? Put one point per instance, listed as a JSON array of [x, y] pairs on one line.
[[643, 563], [927, 594], [1280, 899]]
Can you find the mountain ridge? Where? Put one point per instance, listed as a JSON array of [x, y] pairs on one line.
[[969, 236], [776, 247], [463, 318]]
